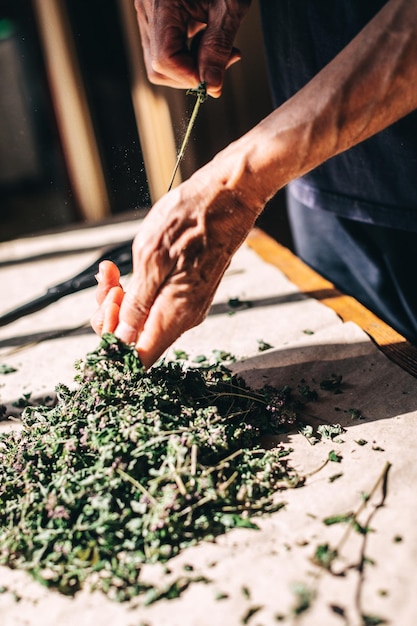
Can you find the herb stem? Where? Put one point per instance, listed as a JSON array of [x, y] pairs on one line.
[[200, 92], [194, 453], [382, 478], [136, 484], [177, 479]]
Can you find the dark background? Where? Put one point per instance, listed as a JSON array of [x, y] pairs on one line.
[[35, 191]]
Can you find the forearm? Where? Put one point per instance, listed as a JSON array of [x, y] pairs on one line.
[[368, 86]]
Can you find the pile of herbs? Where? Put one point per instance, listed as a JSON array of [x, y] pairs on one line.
[[132, 466]]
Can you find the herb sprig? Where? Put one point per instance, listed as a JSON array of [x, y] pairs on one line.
[[132, 466]]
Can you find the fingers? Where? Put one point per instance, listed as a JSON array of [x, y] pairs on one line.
[[106, 317], [164, 34], [174, 311], [216, 51], [108, 276], [167, 28], [109, 296]]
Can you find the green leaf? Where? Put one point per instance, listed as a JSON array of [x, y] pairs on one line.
[[234, 520], [373, 620], [263, 345], [324, 555], [329, 431], [7, 369], [338, 519], [335, 457]]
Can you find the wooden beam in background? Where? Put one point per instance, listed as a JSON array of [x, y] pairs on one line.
[[71, 109], [151, 110]]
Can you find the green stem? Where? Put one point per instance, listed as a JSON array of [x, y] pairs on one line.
[[200, 92]]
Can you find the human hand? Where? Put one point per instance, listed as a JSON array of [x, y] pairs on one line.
[[186, 42], [180, 253]]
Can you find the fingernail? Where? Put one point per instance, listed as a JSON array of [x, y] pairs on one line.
[[125, 332], [97, 277]]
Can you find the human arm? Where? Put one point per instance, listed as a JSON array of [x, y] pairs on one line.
[[187, 240]]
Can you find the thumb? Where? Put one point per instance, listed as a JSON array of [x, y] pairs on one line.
[[216, 51]]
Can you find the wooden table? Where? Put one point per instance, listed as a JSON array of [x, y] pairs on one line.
[[309, 342], [392, 344]]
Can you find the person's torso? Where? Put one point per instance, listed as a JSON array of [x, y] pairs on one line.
[[374, 181]]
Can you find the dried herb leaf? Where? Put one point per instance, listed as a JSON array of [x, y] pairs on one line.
[[7, 369], [324, 555], [263, 345], [335, 457], [335, 477], [329, 431], [338, 519], [373, 620], [332, 383], [252, 610], [304, 598], [133, 466]]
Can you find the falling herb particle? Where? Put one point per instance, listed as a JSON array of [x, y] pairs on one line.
[[361, 442], [397, 539], [378, 449], [245, 592], [308, 331]]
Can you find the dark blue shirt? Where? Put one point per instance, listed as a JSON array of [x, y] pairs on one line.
[[376, 181]]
